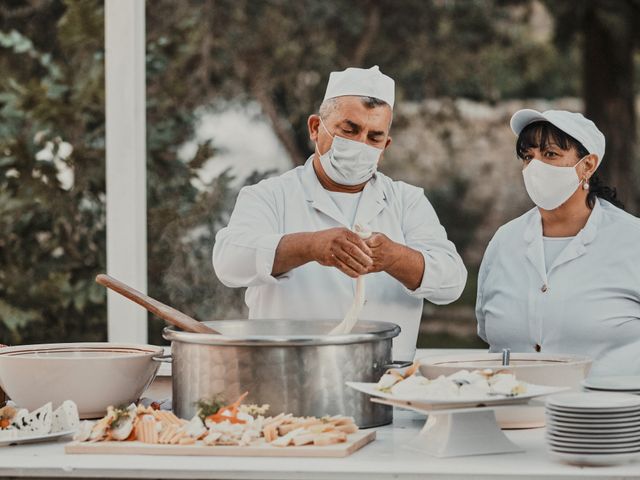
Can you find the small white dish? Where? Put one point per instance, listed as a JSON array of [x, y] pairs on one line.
[[622, 383], [592, 401], [36, 438], [601, 460]]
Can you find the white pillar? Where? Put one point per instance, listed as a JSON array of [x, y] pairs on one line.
[[126, 164]]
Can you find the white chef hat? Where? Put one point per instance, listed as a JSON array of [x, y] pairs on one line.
[[361, 82], [573, 124]]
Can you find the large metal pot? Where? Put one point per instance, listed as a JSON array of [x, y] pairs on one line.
[[292, 365]]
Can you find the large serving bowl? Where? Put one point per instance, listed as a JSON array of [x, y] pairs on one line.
[[292, 365], [556, 370], [93, 375]]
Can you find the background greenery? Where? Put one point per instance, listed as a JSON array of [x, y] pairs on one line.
[[202, 55]]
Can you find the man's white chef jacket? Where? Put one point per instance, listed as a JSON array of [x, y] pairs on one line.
[[588, 303], [244, 252]]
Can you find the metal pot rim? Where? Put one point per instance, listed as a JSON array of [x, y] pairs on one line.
[[377, 331]]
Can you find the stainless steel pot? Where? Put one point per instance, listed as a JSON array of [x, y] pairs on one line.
[[292, 365]]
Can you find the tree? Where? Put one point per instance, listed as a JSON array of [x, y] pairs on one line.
[[52, 180], [608, 34], [280, 53]]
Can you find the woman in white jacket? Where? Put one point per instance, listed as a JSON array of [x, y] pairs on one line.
[[565, 276]]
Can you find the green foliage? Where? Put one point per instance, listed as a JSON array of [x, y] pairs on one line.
[[281, 52], [51, 236]]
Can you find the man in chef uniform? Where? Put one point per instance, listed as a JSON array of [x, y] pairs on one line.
[[291, 239]]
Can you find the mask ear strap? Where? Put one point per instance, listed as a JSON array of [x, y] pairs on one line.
[[325, 128], [585, 181]]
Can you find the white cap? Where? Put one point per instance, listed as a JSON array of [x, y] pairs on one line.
[[361, 82], [574, 124]]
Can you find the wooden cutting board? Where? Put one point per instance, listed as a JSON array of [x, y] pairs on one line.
[[260, 449]]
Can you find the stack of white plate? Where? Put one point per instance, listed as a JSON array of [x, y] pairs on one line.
[[593, 428], [623, 384]]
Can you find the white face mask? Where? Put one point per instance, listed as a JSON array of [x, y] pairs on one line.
[[550, 186], [348, 162]]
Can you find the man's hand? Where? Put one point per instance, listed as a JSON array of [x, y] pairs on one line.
[[401, 262], [343, 249], [384, 252]]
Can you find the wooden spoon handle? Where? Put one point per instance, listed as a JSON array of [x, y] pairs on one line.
[[170, 314]]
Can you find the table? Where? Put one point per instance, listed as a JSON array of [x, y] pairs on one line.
[[389, 457]]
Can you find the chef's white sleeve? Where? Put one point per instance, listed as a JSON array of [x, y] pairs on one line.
[[244, 251], [444, 275], [485, 266]]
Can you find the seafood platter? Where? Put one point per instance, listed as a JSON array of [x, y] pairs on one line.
[[218, 429], [460, 407]]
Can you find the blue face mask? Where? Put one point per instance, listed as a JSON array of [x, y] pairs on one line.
[[348, 162]]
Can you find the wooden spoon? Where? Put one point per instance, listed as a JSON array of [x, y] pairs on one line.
[[170, 314]]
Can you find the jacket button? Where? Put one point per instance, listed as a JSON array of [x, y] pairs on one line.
[[538, 347], [544, 288]]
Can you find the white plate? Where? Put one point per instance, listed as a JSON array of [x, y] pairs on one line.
[[36, 438], [597, 413], [579, 424], [614, 383], [592, 401], [588, 447], [532, 392], [591, 431], [599, 436], [592, 440], [630, 392], [583, 420], [593, 452], [595, 460], [576, 422], [604, 416]]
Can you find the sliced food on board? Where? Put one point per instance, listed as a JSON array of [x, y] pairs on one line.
[[216, 423]]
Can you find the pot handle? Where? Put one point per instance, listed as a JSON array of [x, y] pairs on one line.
[[163, 358], [398, 364]]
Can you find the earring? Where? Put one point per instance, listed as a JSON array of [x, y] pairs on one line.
[[585, 184]]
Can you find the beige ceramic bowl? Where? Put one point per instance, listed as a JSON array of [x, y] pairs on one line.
[[557, 370], [93, 375]]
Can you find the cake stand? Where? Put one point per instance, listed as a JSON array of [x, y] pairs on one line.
[[462, 428]]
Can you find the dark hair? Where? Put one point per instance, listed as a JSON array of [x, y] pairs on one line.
[[372, 102], [540, 134]]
